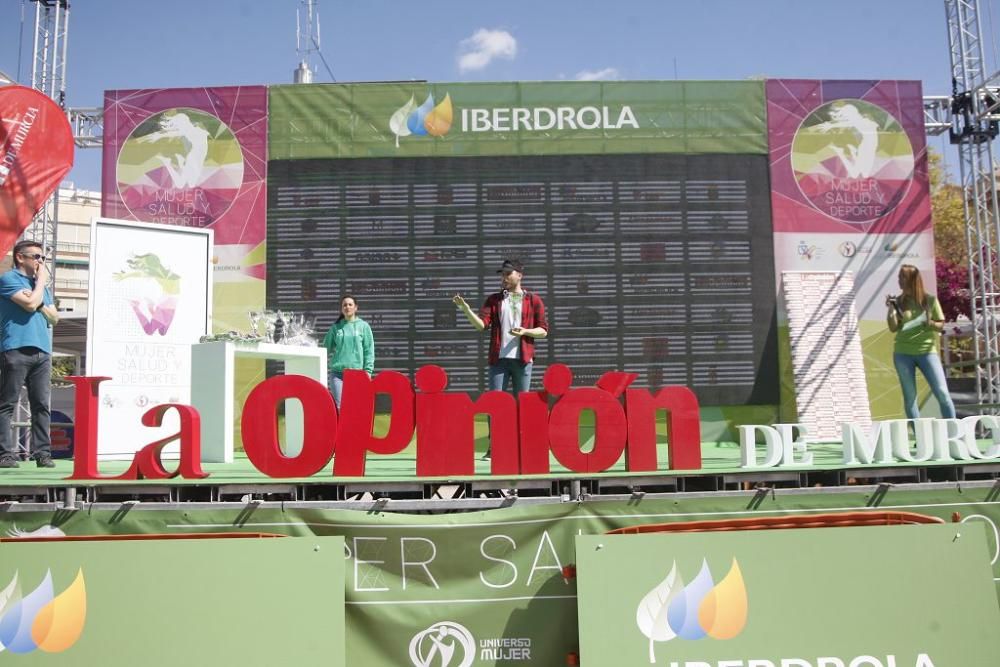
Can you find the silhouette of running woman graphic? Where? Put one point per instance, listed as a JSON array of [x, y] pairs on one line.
[[858, 159], [185, 169]]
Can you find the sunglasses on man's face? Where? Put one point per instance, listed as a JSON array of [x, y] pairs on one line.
[[33, 255]]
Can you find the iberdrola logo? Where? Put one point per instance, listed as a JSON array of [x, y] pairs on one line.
[[700, 609], [423, 120], [40, 620]]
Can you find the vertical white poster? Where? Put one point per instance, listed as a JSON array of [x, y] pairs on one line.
[[827, 363], [151, 296]]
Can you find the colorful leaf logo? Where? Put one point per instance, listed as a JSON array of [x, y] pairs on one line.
[[415, 121], [40, 620], [699, 609], [59, 623], [723, 612], [651, 616], [397, 123], [438, 121], [422, 120], [683, 612]]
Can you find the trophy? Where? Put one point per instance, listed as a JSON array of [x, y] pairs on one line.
[[279, 328], [269, 318], [254, 320]]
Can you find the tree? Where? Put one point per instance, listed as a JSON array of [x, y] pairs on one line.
[[952, 288], [948, 216], [61, 367]]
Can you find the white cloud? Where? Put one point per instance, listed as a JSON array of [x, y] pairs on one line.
[[484, 47], [606, 74]]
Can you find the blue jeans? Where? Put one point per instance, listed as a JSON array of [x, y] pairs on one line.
[[930, 366], [31, 367], [335, 381], [501, 373]]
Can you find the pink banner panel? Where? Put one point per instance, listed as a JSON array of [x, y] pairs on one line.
[[188, 156], [847, 156]]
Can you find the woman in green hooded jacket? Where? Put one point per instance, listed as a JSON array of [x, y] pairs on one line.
[[349, 344]]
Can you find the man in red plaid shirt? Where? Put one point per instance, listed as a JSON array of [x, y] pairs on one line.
[[515, 317]]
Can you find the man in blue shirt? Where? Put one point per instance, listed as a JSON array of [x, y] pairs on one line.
[[26, 315]]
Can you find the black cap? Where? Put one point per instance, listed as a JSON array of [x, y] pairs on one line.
[[511, 265]]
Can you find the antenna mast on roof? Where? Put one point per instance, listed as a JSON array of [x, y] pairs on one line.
[[307, 41]]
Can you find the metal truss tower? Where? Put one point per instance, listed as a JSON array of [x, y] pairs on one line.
[[48, 75], [975, 118]]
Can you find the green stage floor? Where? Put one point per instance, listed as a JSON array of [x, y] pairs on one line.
[[718, 458]]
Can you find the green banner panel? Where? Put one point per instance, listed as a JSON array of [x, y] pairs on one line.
[[498, 574], [166, 602], [515, 118], [803, 597]]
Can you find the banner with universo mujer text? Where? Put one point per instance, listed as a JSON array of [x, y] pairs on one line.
[[499, 587]]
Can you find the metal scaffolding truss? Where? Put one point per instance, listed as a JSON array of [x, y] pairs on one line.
[[88, 126], [48, 75], [974, 124], [937, 114], [48, 66]]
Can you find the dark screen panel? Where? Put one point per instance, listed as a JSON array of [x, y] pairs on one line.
[[661, 265]]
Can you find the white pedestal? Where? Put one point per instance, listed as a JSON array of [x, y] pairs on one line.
[[212, 390]]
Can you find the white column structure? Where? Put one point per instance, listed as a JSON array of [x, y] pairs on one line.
[[213, 366]]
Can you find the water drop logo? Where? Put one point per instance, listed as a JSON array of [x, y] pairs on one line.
[[422, 120], [700, 609], [40, 620]]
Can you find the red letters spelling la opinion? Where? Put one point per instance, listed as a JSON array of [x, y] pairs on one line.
[[522, 432]]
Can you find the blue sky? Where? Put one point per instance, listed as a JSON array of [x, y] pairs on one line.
[[116, 44]]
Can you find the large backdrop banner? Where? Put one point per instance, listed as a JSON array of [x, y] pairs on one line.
[[516, 118], [639, 209], [849, 192], [656, 218], [195, 157]]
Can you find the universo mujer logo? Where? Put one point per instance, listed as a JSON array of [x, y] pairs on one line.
[[702, 608], [445, 643], [41, 620]]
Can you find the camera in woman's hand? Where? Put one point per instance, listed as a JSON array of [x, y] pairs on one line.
[[893, 302]]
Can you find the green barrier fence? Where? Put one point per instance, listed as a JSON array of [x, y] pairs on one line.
[[498, 574]]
